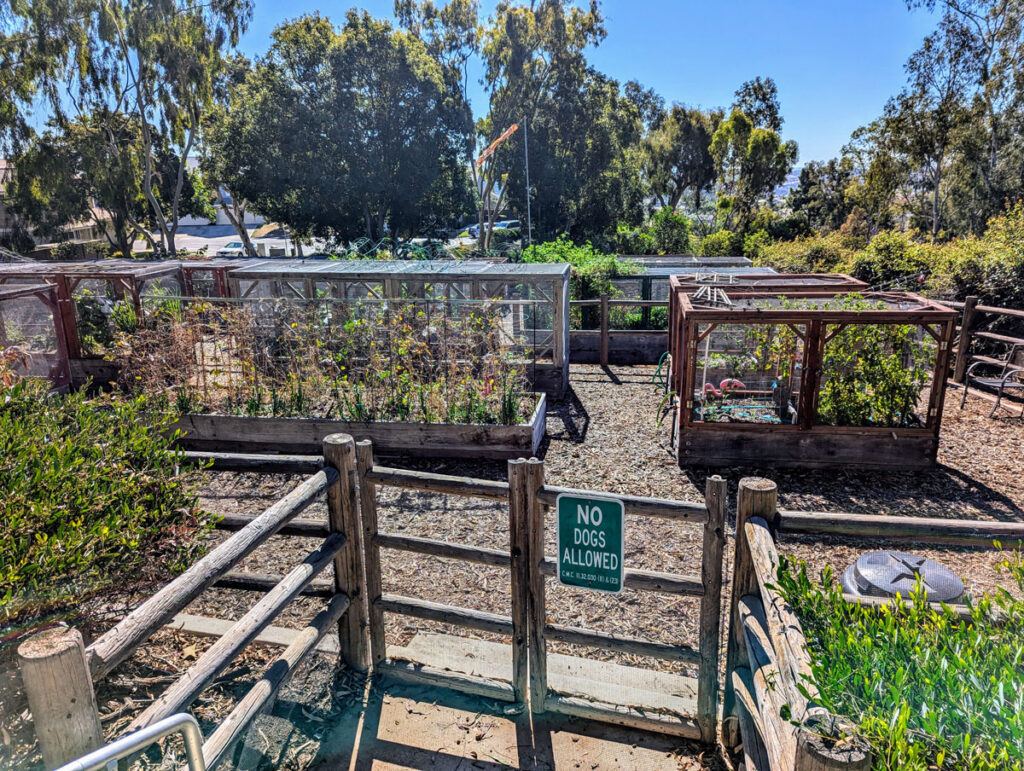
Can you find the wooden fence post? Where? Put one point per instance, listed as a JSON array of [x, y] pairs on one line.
[[963, 348], [371, 550], [715, 497], [520, 577], [757, 497], [343, 516], [604, 330], [538, 612], [60, 695]]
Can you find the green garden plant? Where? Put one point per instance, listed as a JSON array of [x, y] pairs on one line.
[[928, 689], [91, 495]]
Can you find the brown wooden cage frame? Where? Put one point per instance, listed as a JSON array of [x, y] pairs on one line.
[[805, 443]]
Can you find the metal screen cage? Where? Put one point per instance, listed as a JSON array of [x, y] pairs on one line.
[[209, 277], [32, 342], [795, 365], [532, 300], [97, 297], [321, 357]]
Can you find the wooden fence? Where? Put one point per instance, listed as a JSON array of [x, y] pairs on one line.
[[769, 704], [643, 345], [58, 671], [528, 496], [973, 313]]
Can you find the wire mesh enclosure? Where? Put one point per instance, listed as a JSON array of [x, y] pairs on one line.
[[209, 277], [409, 360], [97, 297], [808, 379], [528, 302], [32, 342]]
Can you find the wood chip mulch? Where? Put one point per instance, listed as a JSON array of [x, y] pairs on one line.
[[603, 436]]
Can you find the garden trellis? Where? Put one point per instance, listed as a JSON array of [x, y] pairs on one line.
[[531, 300]]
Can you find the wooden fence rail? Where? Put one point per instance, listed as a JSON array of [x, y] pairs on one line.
[[770, 702], [51, 667], [605, 303]]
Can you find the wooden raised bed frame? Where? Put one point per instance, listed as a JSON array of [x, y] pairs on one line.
[[804, 444], [304, 435]]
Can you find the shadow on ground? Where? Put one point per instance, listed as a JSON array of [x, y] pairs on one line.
[[402, 726]]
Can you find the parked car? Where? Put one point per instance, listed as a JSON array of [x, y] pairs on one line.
[[232, 249]]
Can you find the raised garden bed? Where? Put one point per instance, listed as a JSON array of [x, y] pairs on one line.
[[809, 379], [304, 435]]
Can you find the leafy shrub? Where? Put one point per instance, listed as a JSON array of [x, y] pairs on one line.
[[814, 254], [928, 689], [670, 232], [90, 495], [723, 243], [592, 271]]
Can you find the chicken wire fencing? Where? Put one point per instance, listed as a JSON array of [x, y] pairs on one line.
[[31, 340], [368, 359]]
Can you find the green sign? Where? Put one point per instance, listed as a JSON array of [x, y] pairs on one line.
[[590, 537]]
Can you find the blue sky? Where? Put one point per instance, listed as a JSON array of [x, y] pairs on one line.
[[835, 61]]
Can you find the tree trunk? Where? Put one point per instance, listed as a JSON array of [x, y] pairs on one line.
[[178, 185], [235, 212]]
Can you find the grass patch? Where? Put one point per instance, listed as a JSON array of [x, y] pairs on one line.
[[90, 496], [928, 689]]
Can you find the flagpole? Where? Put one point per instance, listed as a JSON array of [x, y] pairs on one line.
[[526, 148]]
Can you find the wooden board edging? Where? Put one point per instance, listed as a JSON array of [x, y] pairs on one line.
[[226, 433]]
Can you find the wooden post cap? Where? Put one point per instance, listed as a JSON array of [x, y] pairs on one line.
[[60, 695], [759, 484]]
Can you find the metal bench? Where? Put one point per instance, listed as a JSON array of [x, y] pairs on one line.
[[1010, 376]]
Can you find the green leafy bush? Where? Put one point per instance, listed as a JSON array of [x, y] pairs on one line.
[[591, 275], [927, 688], [722, 243], [90, 495]]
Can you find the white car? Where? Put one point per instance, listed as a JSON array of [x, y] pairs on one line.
[[233, 249]]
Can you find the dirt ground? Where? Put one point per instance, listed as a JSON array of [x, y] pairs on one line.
[[603, 436]]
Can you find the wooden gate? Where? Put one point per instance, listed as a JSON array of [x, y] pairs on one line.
[[525, 673]]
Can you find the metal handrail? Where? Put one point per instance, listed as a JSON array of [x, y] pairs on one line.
[[182, 723]]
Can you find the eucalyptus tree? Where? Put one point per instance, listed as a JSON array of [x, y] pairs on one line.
[[527, 52], [677, 156], [155, 61], [758, 99], [751, 163]]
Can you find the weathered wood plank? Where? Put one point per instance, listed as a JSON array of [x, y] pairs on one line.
[[755, 756], [634, 505], [919, 529], [119, 642], [434, 547], [305, 435], [723, 445], [624, 715], [264, 582], [206, 668], [783, 627], [438, 483], [710, 634], [260, 463], [757, 497], [645, 580], [519, 536], [263, 693], [419, 674], [303, 528], [621, 643], [371, 544], [445, 614], [339, 452]]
